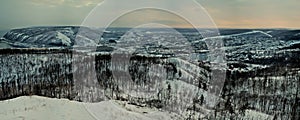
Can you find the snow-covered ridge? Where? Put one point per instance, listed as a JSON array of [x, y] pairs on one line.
[[64, 36], [254, 33]]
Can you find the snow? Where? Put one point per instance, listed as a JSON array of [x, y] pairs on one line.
[[41, 108], [293, 43], [233, 35], [254, 115], [65, 40], [253, 32], [84, 41], [111, 110]]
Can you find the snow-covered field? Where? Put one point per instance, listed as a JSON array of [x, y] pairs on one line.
[[41, 108]]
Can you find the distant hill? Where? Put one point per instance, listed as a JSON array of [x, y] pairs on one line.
[[62, 36], [2, 32]]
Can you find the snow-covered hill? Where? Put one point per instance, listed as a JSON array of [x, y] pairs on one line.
[[65, 36]]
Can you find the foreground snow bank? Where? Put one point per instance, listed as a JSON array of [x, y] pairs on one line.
[[41, 108]]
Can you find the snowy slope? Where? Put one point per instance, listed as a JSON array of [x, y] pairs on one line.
[[40, 108]]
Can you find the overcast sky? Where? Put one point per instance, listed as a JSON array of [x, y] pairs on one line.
[[225, 13]]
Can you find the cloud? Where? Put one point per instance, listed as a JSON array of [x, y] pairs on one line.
[[225, 13], [73, 3], [146, 16]]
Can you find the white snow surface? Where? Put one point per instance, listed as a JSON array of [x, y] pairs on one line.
[[41, 108], [234, 35], [65, 40]]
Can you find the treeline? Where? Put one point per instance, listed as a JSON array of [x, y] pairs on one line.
[[36, 73], [65, 74], [273, 91]]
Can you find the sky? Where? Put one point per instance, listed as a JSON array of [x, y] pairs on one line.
[[224, 13]]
